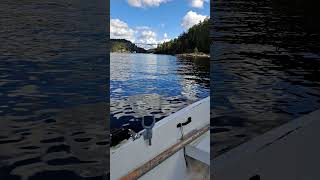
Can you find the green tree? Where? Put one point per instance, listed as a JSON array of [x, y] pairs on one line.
[[196, 38]]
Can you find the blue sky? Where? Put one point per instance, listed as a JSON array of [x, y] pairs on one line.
[[154, 21]]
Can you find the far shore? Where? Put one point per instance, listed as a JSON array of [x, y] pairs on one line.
[[193, 55], [183, 55]]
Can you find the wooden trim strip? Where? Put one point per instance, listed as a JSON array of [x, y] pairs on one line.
[[143, 169]]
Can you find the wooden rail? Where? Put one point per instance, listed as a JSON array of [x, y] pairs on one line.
[[143, 169]]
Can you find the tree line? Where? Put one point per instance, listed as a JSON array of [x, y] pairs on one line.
[[195, 40], [122, 45]]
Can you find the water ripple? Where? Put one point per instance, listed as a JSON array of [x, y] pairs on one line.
[[265, 68]]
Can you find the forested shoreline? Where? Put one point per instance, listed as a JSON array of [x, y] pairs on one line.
[[195, 40], [125, 46]]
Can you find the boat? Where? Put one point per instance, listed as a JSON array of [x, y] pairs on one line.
[[290, 151], [176, 147]]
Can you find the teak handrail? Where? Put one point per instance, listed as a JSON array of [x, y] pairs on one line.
[[143, 169]]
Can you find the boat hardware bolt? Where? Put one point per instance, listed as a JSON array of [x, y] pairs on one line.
[[133, 134], [147, 134]]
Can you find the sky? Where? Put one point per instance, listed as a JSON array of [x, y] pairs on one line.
[[154, 21]]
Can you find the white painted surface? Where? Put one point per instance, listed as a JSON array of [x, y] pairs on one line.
[[289, 152], [200, 149], [173, 168], [133, 154]]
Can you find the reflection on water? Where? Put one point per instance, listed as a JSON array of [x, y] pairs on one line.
[[265, 70], [148, 84], [52, 90]]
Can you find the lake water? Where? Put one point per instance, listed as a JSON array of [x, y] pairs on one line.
[[152, 85], [53, 96], [265, 68]]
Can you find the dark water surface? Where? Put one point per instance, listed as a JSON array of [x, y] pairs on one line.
[[265, 69], [152, 85], [53, 102]]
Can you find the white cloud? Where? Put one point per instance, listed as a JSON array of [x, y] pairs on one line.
[[191, 18], [140, 28], [148, 39], [165, 38], [197, 3], [143, 36], [148, 36], [146, 3], [121, 30]]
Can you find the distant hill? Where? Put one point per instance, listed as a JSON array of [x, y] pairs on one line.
[[195, 40], [122, 45]]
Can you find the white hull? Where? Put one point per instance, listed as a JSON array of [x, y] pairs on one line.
[[289, 152], [133, 154]]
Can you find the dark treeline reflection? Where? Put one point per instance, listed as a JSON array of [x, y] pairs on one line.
[[53, 90], [265, 68], [199, 68], [307, 9]]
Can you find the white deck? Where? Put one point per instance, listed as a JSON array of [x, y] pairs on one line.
[[289, 152], [200, 149], [133, 154]]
